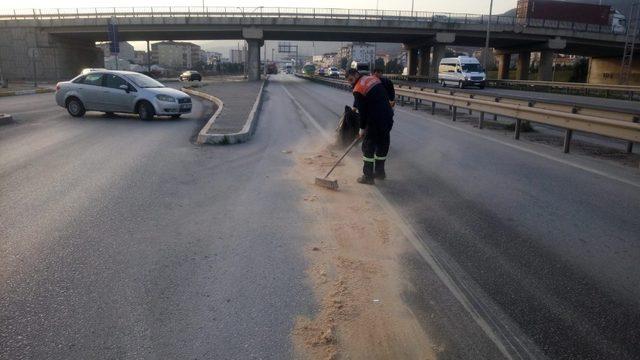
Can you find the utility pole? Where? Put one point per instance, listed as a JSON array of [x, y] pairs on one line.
[[486, 43], [412, 1], [148, 58]]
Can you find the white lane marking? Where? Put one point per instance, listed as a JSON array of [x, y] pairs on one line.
[[466, 298], [530, 151]]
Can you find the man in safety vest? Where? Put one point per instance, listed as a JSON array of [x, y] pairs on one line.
[[376, 120]]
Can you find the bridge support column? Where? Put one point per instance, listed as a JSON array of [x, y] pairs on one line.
[[57, 58], [412, 60], [254, 38], [522, 71], [545, 70], [504, 61], [423, 61], [253, 60], [438, 54]]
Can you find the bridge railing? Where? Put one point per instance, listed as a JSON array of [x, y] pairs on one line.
[[614, 123], [271, 12]]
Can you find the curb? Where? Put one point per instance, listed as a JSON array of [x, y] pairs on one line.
[[5, 119], [234, 138], [26, 92], [209, 124]]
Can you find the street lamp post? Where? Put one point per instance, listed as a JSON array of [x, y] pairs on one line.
[[486, 43], [412, 1]]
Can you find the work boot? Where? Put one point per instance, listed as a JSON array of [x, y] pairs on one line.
[[366, 180], [379, 173], [367, 170]]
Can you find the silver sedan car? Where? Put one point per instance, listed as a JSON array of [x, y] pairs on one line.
[[114, 91]]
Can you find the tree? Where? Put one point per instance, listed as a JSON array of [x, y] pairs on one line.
[[393, 67], [379, 64], [343, 63], [580, 71]]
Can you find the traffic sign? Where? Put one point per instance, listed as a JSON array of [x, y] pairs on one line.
[[112, 32]]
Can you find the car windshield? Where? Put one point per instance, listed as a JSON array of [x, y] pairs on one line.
[[143, 81], [471, 68]]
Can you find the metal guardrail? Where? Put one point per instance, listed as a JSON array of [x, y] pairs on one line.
[[615, 91], [271, 12], [626, 92], [615, 124]]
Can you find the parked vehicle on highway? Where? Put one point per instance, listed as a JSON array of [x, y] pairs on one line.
[[190, 75], [309, 69], [114, 91], [461, 71], [333, 72]]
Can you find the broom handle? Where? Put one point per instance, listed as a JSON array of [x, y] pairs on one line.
[[343, 155]]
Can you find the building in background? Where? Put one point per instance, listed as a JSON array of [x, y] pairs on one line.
[[126, 50], [140, 57], [213, 57], [176, 55], [238, 56]]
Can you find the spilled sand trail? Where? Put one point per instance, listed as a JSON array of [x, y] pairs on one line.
[[355, 271]]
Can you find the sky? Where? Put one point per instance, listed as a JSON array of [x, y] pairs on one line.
[[459, 6]]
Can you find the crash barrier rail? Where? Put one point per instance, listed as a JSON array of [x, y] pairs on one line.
[[608, 91], [618, 124], [271, 12], [625, 92]]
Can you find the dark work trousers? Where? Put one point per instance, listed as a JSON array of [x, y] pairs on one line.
[[375, 147]]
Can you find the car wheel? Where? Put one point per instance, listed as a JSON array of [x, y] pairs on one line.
[[146, 111], [175, 116], [75, 107]]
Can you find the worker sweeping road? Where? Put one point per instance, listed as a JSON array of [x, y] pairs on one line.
[[376, 120]]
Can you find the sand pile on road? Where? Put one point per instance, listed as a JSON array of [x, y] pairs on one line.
[[355, 272]]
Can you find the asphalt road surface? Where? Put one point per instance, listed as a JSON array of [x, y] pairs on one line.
[[122, 239]]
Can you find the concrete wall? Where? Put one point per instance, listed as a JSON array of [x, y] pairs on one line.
[[58, 58], [606, 71]]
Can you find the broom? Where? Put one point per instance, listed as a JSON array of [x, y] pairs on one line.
[[333, 184]]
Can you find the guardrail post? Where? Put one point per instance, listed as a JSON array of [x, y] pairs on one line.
[[415, 105], [567, 140], [433, 108], [629, 147], [481, 120], [516, 135], [454, 113]]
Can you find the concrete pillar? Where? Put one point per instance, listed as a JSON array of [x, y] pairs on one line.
[[522, 71], [412, 60], [423, 61], [253, 60], [545, 70], [504, 61], [437, 55]]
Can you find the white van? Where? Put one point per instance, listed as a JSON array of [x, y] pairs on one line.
[[461, 71]]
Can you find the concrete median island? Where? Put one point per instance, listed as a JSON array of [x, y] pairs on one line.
[[235, 119]]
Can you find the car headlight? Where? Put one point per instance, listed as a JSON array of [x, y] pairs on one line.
[[166, 98]]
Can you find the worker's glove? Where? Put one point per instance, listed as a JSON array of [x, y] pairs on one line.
[[361, 133], [392, 103]]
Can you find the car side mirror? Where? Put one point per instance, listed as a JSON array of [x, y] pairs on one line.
[[124, 87]]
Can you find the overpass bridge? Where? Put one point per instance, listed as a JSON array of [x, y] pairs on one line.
[[64, 38]]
